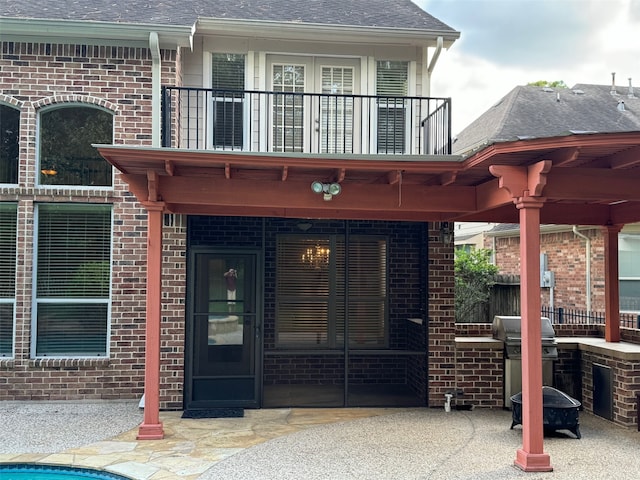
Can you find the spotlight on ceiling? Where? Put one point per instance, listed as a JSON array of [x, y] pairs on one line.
[[328, 190]]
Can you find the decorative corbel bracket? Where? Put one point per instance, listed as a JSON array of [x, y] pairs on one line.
[[522, 182]]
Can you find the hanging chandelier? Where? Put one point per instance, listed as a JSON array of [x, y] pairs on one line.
[[316, 257]]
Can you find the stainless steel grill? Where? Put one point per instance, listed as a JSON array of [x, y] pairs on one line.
[[508, 329]]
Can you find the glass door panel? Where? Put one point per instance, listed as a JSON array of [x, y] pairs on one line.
[[225, 330], [288, 81]]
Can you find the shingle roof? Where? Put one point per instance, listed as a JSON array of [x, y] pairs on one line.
[[535, 112], [367, 13]]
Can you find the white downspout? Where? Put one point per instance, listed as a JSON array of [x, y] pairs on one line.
[[587, 264], [432, 64], [156, 109]]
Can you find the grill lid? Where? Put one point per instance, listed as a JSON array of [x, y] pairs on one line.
[[509, 329]]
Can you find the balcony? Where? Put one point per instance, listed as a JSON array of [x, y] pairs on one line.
[[304, 123]]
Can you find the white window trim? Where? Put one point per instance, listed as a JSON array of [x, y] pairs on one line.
[[207, 65], [12, 354], [35, 299]]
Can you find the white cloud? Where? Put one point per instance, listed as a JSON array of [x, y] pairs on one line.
[[505, 43]]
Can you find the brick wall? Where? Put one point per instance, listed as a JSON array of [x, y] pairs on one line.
[[566, 258], [479, 374], [626, 383], [440, 317], [34, 76]]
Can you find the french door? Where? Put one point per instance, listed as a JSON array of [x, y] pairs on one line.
[[224, 330], [313, 109]]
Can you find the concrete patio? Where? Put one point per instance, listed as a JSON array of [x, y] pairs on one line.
[[371, 443]]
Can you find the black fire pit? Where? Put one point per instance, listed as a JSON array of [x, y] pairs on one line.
[[560, 411]]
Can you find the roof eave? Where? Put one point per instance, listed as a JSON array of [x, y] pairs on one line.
[[322, 32], [99, 33]]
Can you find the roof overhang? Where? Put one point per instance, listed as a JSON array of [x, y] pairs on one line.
[[323, 32], [591, 180], [240, 183], [93, 33]]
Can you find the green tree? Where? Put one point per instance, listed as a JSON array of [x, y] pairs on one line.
[[546, 83], [474, 278]]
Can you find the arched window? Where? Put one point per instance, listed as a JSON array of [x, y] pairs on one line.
[[9, 138], [66, 154]]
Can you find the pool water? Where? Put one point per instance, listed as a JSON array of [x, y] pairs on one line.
[[30, 471]]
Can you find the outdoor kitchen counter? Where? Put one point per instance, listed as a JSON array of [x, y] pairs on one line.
[[480, 343], [618, 350]]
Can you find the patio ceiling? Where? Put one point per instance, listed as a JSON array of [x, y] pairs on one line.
[[594, 179]]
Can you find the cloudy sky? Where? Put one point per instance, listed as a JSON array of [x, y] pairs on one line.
[[505, 43]]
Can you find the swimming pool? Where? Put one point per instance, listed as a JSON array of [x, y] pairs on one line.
[[33, 471]]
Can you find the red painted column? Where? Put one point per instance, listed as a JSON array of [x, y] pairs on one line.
[[531, 457], [151, 427], [611, 283]]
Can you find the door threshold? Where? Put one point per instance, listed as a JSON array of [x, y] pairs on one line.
[[213, 413]]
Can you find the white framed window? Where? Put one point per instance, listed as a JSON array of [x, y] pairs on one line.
[[392, 79], [8, 239], [228, 103], [66, 155], [72, 280], [9, 143], [629, 272]]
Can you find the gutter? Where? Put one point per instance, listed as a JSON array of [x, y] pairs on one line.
[[587, 263], [324, 32], [93, 33]]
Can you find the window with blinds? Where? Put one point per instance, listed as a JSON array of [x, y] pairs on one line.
[[8, 215], [228, 74], [72, 265], [336, 112], [391, 87], [67, 156], [9, 143], [313, 293]]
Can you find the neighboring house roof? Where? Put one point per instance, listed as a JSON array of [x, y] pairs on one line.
[[535, 112], [402, 14]]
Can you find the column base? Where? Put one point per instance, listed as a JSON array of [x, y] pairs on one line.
[[533, 462], [150, 432]]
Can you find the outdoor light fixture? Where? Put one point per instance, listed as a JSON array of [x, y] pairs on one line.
[[328, 190], [446, 232]]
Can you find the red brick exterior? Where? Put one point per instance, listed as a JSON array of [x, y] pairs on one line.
[[441, 320], [33, 76], [566, 258]]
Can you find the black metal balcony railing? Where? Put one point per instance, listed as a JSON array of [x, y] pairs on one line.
[[255, 121]]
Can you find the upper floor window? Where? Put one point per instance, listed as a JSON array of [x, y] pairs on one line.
[[66, 153], [392, 79], [227, 81], [9, 142]]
